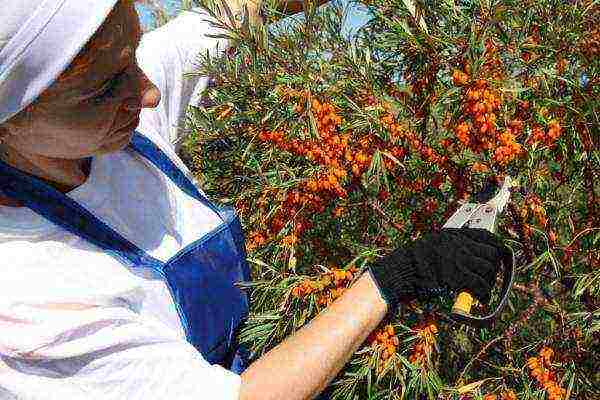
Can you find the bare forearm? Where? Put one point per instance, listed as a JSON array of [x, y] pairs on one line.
[[295, 6], [286, 7], [301, 367]]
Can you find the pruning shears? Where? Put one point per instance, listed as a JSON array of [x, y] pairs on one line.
[[483, 215]]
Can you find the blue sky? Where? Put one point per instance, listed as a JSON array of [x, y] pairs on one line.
[[356, 16]]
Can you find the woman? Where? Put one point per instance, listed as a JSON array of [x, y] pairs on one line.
[[118, 279]]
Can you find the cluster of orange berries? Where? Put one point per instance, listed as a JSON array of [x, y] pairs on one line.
[[396, 131], [287, 93], [331, 148], [295, 201], [508, 149], [305, 200], [333, 151], [254, 240], [541, 371], [388, 121], [327, 287], [384, 339], [326, 118], [533, 206], [549, 137], [426, 333], [481, 105], [478, 129], [506, 395], [479, 168], [419, 216], [320, 190], [493, 64], [459, 78]]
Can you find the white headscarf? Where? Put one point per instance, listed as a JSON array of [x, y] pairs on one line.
[[38, 40]]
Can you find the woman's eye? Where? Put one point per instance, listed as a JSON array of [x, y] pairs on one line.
[[107, 92]]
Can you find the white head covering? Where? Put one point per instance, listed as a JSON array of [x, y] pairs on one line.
[[38, 40]]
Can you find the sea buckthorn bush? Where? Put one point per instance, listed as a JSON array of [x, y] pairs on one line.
[[335, 149]]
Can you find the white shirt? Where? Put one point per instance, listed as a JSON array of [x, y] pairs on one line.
[[123, 340]]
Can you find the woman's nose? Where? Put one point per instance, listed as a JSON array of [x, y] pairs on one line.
[[150, 93], [147, 96]]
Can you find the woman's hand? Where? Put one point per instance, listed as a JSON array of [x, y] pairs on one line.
[[451, 260], [238, 8], [287, 7]]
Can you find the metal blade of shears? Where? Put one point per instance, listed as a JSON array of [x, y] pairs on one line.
[[482, 215]]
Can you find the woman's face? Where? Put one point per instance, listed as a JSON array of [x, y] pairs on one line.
[[94, 106]]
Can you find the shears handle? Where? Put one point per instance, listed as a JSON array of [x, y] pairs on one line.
[[462, 305], [484, 216]]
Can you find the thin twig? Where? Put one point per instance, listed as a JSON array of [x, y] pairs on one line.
[[479, 354], [389, 219]]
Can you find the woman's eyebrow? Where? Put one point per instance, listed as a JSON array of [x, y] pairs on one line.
[[89, 93]]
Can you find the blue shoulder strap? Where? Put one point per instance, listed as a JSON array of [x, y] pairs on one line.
[[146, 148], [68, 214]]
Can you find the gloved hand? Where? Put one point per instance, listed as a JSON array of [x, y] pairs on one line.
[[462, 259]]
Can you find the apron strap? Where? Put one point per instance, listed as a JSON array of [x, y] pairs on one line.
[[149, 150], [63, 211]]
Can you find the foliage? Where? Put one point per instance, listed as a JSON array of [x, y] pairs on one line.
[[335, 150]]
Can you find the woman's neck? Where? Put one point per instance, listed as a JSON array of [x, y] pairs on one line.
[[63, 174]]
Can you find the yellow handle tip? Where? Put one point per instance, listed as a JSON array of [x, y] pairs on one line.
[[463, 303]]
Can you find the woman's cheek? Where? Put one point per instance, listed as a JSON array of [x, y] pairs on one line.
[[97, 122], [71, 134], [94, 121]]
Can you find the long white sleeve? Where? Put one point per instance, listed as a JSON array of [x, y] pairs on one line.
[[166, 55]]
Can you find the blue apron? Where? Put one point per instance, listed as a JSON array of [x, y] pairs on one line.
[[201, 277]]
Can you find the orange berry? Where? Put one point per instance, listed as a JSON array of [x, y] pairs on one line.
[[390, 330], [533, 363], [547, 353], [481, 83], [509, 395], [459, 78], [433, 328], [479, 167], [386, 354]]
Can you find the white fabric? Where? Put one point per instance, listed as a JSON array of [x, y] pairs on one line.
[[179, 60], [74, 322], [38, 41]]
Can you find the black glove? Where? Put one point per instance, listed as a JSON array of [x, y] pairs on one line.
[[462, 259]]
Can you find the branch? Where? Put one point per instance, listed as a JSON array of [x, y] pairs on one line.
[[375, 205]]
